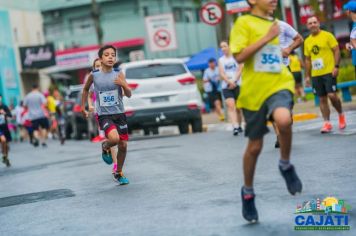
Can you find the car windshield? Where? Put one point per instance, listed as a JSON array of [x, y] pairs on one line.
[[73, 94], [154, 71]]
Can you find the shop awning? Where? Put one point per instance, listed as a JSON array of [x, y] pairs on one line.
[[118, 44], [200, 60], [83, 57]]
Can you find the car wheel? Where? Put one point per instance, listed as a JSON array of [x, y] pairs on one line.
[[183, 128], [197, 125], [155, 131], [69, 131], [77, 133], [146, 131]]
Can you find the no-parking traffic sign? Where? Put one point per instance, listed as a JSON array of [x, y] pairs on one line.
[[211, 13], [161, 32]]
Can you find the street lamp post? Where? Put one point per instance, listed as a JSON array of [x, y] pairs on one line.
[[96, 18]]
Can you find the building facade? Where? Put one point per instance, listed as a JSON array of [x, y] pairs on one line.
[[71, 27], [21, 24]]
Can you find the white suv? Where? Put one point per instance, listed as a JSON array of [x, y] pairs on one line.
[[164, 92]]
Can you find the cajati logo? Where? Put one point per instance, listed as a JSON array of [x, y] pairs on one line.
[[327, 214]]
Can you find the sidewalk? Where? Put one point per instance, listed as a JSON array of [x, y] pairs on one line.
[[301, 111]]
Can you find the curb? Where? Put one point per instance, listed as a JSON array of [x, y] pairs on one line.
[[296, 118], [304, 117]]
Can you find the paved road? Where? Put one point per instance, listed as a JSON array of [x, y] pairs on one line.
[[180, 185]]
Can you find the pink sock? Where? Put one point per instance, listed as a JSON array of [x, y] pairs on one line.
[[114, 169]]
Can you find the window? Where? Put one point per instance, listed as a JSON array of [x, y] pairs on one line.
[[82, 25], [53, 30], [145, 11], [154, 71], [178, 14], [188, 15]]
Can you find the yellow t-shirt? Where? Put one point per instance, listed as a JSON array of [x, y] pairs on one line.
[[264, 73], [319, 49], [51, 104], [294, 63]]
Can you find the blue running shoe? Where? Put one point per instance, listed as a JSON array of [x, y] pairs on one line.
[[106, 155], [121, 178]]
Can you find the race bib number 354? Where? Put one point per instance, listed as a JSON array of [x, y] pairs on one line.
[[109, 98], [268, 59]]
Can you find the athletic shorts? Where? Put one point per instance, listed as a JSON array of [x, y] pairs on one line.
[[4, 130], [324, 84], [256, 121], [231, 93], [118, 122], [213, 96], [40, 123], [298, 78]]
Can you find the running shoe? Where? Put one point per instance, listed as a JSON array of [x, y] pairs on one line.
[[97, 139], [36, 142], [249, 211], [106, 155], [6, 161], [44, 145], [236, 131], [327, 127], [342, 121], [294, 185], [119, 177], [240, 130]]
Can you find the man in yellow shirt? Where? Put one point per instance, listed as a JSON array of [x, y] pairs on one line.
[[322, 57], [295, 66], [266, 94]]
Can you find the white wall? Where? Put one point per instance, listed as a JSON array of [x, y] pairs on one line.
[[27, 30]]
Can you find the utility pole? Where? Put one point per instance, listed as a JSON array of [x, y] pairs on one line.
[[96, 18], [295, 13]]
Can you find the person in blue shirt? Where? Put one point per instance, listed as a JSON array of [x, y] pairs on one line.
[[212, 87], [350, 8]]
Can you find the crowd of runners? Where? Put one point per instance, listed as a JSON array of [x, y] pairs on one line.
[[257, 79]]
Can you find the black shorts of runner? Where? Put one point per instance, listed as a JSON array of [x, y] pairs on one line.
[[213, 96], [324, 84], [118, 122], [4, 130], [256, 121], [40, 123], [298, 78], [231, 93]]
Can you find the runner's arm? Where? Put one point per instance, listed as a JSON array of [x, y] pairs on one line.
[[90, 100], [86, 88], [353, 43], [239, 72], [336, 51], [121, 81], [307, 70], [255, 47], [297, 41], [307, 67], [222, 74]]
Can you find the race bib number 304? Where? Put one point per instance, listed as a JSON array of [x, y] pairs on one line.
[[109, 98], [268, 59]]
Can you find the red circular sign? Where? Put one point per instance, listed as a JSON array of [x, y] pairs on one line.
[[162, 38], [211, 13]]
